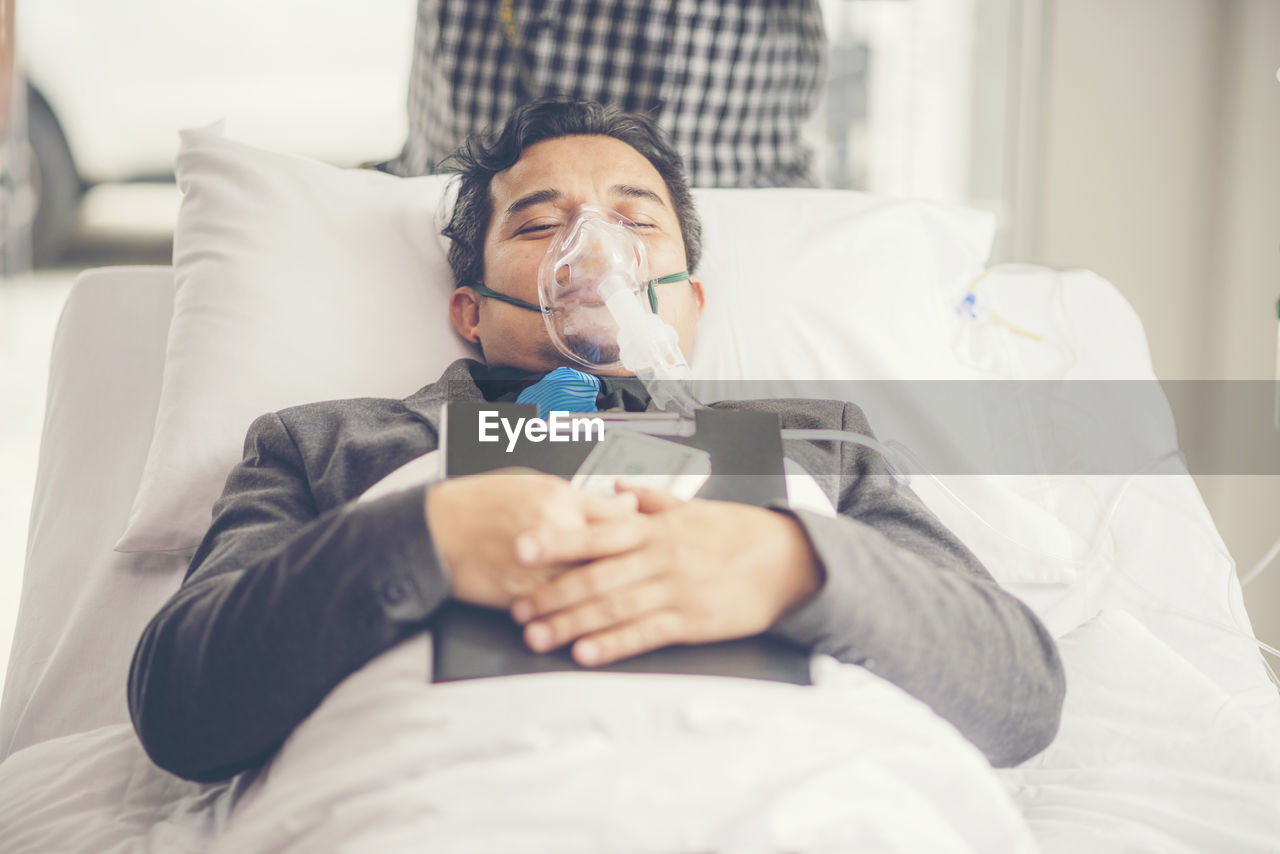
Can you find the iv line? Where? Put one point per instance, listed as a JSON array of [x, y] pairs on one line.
[[895, 453], [1261, 565], [900, 459]]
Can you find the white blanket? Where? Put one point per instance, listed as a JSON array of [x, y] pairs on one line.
[[593, 762], [1151, 757]]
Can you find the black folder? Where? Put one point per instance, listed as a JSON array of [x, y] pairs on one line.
[[470, 642]]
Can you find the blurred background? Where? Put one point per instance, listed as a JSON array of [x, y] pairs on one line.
[[1139, 139]]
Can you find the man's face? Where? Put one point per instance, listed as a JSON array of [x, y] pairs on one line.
[[530, 201]]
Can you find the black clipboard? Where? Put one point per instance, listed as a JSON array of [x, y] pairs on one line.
[[470, 642]]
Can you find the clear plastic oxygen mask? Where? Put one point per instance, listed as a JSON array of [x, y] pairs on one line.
[[600, 306]]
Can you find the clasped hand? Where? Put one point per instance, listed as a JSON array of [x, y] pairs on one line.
[[616, 576]]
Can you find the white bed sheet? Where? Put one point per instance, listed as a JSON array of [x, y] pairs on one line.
[[1151, 756]]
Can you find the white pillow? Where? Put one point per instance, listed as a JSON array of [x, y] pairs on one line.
[[297, 281]]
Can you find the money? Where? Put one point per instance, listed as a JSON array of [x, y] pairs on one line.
[[643, 460]]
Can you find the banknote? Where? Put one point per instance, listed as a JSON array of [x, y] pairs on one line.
[[643, 460]]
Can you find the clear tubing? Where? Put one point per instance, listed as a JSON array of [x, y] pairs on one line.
[[891, 456], [1261, 565], [900, 460], [895, 454]]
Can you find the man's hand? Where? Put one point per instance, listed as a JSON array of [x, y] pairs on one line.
[[684, 572], [475, 522]]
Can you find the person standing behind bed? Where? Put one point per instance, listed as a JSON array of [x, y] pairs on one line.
[[297, 585], [731, 82]]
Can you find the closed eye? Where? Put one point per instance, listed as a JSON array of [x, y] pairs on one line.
[[539, 228]]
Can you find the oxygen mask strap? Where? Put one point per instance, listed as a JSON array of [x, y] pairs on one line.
[[682, 276], [490, 292]]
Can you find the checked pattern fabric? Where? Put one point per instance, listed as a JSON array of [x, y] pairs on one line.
[[731, 83]]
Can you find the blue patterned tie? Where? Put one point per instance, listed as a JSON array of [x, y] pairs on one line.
[[564, 389]]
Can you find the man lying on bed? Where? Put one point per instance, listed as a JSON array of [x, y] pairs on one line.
[[295, 585]]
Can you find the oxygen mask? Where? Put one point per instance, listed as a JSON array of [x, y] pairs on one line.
[[601, 308], [594, 278]]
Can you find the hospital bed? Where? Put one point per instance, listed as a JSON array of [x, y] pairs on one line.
[[293, 281]]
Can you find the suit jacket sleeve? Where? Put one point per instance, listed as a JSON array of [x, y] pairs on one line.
[[905, 599], [281, 602]]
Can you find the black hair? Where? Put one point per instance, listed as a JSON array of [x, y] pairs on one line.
[[483, 156]]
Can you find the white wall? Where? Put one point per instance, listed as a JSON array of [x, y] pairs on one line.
[[1161, 170], [1129, 169], [1245, 281]]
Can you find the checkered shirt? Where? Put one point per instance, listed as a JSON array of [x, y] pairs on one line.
[[731, 83]]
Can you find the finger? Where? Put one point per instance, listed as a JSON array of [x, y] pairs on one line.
[[604, 612], [643, 634], [648, 500], [575, 545], [581, 584], [596, 507]]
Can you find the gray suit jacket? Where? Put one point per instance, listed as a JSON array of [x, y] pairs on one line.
[[295, 586]]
